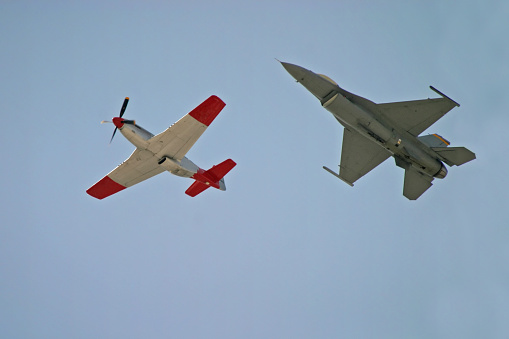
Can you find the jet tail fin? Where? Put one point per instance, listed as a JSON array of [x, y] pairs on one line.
[[454, 155], [434, 140], [214, 177]]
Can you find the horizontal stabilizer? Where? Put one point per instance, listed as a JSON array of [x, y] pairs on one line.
[[217, 172], [210, 178], [196, 188], [454, 155], [415, 184]]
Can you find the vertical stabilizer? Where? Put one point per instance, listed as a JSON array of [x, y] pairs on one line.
[[434, 140]]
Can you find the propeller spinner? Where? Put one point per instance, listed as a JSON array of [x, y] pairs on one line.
[[119, 121]]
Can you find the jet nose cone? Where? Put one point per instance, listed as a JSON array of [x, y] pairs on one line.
[[319, 85], [119, 122], [295, 71]]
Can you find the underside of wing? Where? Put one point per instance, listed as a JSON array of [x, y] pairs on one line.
[[359, 155], [140, 166], [178, 139], [416, 116]]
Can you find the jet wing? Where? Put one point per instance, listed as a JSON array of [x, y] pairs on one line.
[[416, 116], [359, 155], [178, 139], [140, 166]]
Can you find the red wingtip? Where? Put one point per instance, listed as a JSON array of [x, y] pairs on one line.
[[208, 110], [104, 188]]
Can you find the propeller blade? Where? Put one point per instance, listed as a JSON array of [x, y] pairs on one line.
[[114, 131], [106, 122], [124, 106], [122, 111]]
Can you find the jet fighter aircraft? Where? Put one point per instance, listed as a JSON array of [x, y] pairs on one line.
[[165, 152], [373, 132]]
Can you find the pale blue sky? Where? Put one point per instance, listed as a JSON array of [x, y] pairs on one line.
[[288, 251]]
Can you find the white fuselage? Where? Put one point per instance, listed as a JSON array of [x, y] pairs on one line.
[[140, 138]]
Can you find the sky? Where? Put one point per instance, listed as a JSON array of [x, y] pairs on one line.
[[288, 251]]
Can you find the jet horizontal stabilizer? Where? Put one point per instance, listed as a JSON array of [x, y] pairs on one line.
[[454, 155]]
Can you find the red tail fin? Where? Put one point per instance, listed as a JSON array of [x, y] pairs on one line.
[[212, 177]]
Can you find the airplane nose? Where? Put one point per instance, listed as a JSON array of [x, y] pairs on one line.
[[319, 85], [119, 122], [295, 71]]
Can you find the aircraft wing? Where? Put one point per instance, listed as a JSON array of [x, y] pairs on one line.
[[178, 139], [416, 116], [359, 155], [140, 166]]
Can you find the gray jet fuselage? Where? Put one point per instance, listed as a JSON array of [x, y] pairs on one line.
[[399, 142], [361, 115]]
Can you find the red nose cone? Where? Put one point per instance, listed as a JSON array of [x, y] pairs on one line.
[[119, 122]]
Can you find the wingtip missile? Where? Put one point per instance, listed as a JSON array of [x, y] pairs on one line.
[[443, 95]]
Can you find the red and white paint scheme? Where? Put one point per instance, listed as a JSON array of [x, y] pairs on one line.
[[165, 152]]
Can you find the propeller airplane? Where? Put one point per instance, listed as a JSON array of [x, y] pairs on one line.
[[165, 152]]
